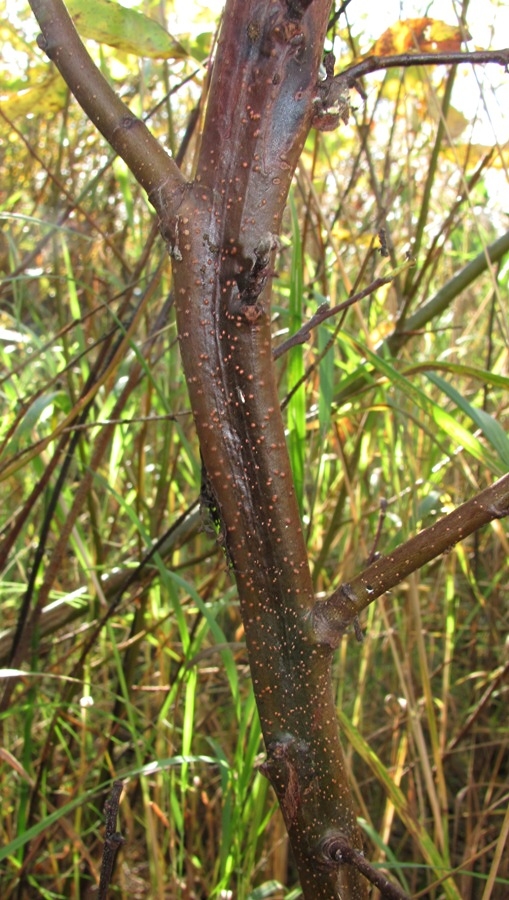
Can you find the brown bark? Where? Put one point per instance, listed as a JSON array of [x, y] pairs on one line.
[[259, 112], [220, 232]]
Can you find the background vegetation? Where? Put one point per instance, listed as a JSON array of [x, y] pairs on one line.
[[138, 668]]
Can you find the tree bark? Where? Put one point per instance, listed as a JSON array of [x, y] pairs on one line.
[[223, 240]]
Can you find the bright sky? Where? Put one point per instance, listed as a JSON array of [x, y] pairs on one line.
[[488, 23]]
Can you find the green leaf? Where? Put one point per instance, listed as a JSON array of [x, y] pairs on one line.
[[267, 889], [199, 45], [36, 410], [447, 423], [492, 430], [85, 797], [407, 815], [126, 29]]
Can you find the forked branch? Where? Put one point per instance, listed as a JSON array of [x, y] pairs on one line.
[[221, 232]]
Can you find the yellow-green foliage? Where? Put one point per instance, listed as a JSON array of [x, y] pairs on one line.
[[136, 667]]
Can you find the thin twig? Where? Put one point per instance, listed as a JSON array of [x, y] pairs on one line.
[[373, 555], [325, 312], [375, 63], [337, 15]]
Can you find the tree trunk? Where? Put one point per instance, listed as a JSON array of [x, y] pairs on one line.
[[222, 240]]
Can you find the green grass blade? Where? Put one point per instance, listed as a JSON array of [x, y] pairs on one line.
[[490, 427]]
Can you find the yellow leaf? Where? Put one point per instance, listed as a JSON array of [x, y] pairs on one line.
[[455, 121], [126, 29], [423, 35], [469, 156], [44, 98]]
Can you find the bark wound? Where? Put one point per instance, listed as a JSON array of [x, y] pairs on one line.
[[332, 101], [290, 771], [244, 300]]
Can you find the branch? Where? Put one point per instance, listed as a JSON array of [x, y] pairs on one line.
[[259, 111], [152, 167], [443, 298], [336, 850], [331, 617], [375, 63], [337, 15], [326, 312]]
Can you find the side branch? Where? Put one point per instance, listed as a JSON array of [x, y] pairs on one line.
[[337, 850], [331, 617], [325, 312], [129, 137], [405, 60]]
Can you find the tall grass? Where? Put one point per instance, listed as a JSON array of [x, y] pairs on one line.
[[133, 666]]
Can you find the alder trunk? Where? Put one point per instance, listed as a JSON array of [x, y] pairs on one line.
[[223, 241]]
